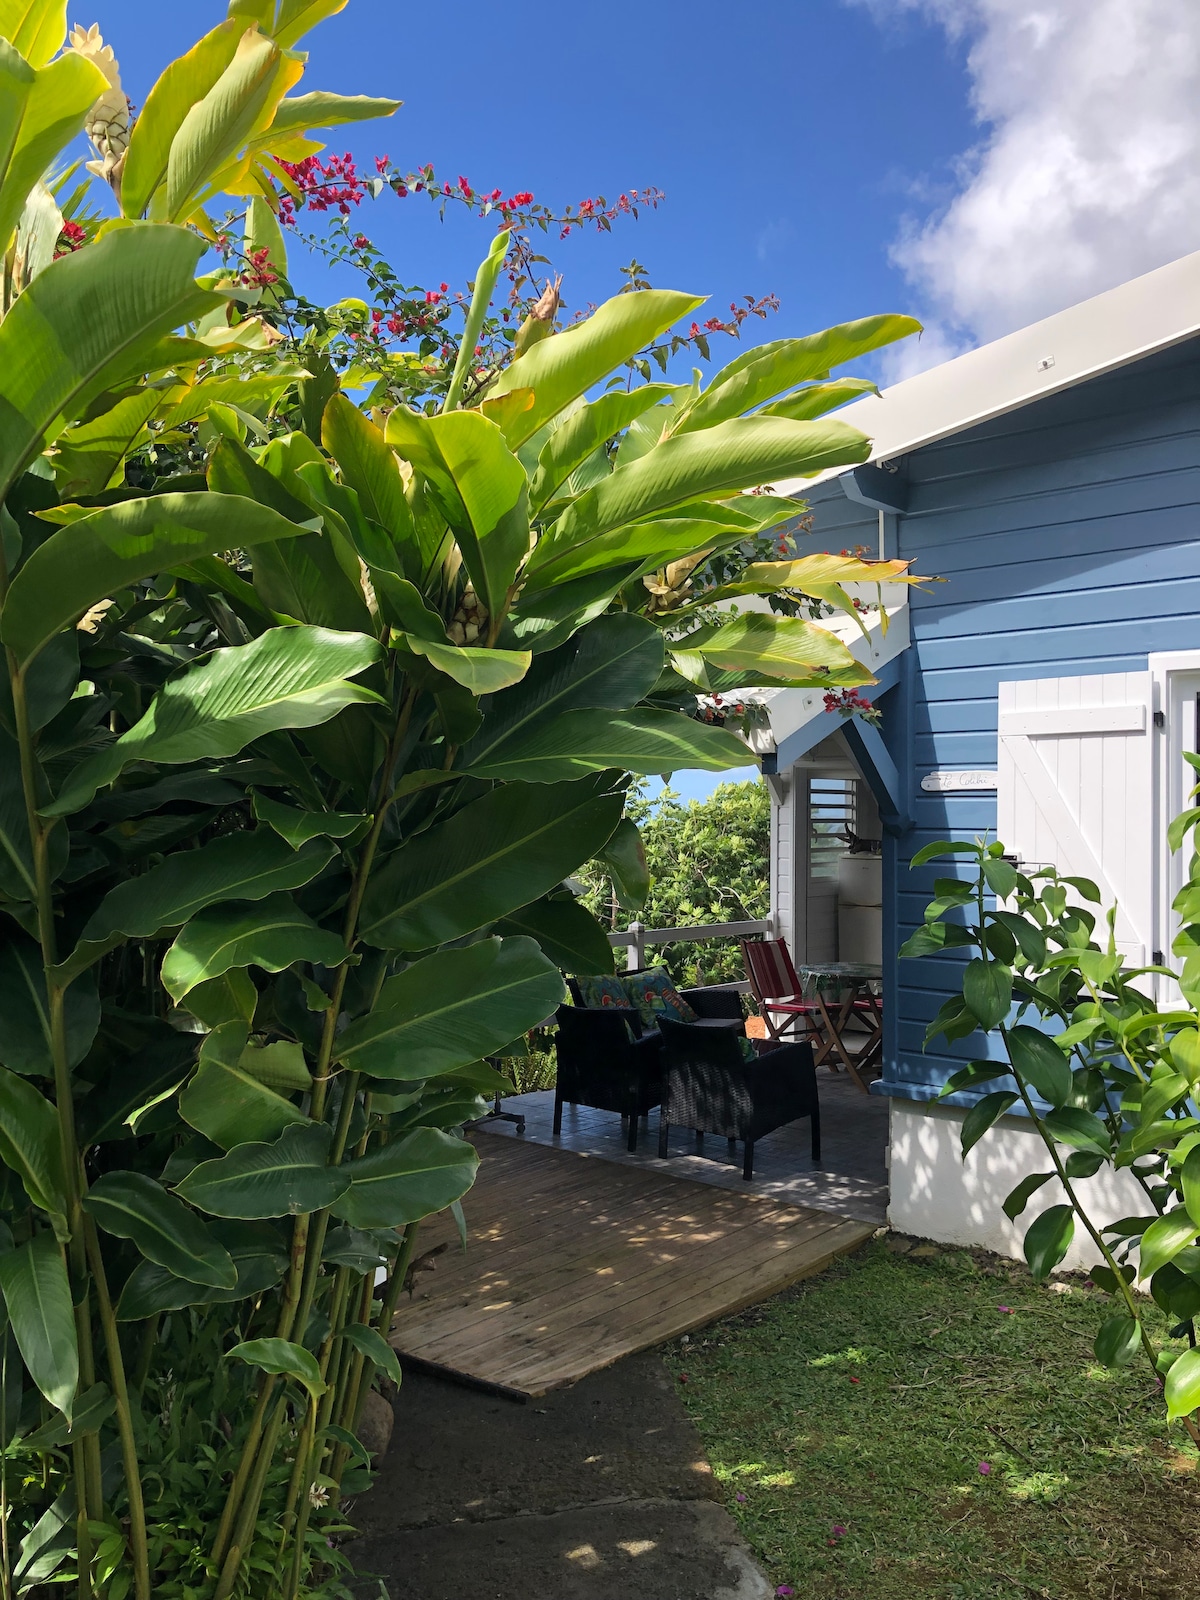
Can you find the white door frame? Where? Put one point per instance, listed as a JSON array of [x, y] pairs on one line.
[[1175, 675]]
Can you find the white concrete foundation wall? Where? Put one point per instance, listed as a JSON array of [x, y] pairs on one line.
[[936, 1195]]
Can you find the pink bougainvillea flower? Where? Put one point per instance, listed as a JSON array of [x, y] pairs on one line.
[[855, 1380], [1006, 1309], [838, 1530], [985, 1467], [784, 1590], [740, 1498]]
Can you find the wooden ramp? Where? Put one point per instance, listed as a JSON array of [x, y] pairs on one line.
[[573, 1262]]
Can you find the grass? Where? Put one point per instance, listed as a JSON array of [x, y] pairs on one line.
[[889, 1430]]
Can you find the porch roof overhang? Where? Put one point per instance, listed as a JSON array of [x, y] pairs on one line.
[[798, 720]]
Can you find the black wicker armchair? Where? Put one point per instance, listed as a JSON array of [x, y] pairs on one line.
[[609, 1061], [711, 1088], [602, 1064]]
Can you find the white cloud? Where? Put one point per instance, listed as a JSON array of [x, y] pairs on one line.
[[1088, 169]]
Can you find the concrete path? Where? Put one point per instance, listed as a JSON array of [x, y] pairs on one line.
[[598, 1492]]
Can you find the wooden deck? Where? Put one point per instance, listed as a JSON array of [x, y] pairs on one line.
[[573, 1262]]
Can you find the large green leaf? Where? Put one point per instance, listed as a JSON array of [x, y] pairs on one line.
[[270, 934], [235, 866], [36, 27], [90, 321], [565, 366], [370, 468], [480, 671], [452, 1008], [25, 1013], [579, 435], [480, 487], [30, 1143], [762, 373], [567, 932], [186, 81], [988, 991], [287, 1360], [41, 111], [257, 1252], [33, 1279], [652, 544], [298, 827], [375, 1347], [481, 298], [817, 398], [592, 741], [101, 553], [624, 857], [740, 454], [982, 1115], [229, 1105], [786, 648], [1048, 1239], [406, 1180], [287, 678], [89, 454], [1183, 1385], [319, 108], [1164, 1239], [132, 1206], [614, 662], [493, 856], [240, 103], [1040, 1062], [285, 1178]]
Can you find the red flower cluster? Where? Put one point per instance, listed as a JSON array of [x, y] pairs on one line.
[[71, 238], [604, 215], [849, 703], [259, 274], [332, 185]]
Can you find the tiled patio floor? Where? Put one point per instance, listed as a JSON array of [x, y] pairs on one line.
[[851, 1181]]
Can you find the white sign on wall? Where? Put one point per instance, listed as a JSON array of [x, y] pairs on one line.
[[957, 782]]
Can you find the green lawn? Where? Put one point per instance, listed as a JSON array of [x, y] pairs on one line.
[[889, 1430]]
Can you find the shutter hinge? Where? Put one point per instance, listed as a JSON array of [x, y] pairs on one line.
[[1156, 957], [1160, 719]]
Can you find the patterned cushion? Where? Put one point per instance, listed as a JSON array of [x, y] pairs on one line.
[[603, 992], [654, 996]]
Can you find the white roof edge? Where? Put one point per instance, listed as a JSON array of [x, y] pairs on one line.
[[1124, 324]]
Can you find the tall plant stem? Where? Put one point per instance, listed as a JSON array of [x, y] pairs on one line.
[[86, 1456], [129, 1456], [249, 1509], [395, 1286], [237, 1488]]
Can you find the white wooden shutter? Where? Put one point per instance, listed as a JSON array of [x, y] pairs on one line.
[[1075, 789]]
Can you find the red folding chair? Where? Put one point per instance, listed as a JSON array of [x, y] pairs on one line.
[[776, 988]]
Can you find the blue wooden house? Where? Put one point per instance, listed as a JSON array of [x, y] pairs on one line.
[[1042, 692]]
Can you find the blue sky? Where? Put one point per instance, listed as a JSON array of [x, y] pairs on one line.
[[786, 136], [977, 163]]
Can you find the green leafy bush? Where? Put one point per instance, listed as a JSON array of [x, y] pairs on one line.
[[1105, 1073]]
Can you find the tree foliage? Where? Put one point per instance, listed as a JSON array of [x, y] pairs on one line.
[[708, 861]]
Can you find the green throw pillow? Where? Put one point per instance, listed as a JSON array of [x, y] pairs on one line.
[[654, 996], [603, 992]]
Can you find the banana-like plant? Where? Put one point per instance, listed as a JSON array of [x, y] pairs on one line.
[[299, 740]]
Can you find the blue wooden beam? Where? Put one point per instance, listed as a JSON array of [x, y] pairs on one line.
[[876, 487], [874, 761]]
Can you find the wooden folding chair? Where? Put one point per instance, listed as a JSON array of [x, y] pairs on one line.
[[776, 989]]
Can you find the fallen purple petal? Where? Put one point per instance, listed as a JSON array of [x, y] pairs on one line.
[[985, 1467], [740, 1498]]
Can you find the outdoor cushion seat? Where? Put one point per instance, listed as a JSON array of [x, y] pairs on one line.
[[711, 1087]]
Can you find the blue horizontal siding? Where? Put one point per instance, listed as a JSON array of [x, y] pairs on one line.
[[1068, 538]]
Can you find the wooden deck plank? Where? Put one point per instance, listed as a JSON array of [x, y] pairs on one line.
[[575, 1262]]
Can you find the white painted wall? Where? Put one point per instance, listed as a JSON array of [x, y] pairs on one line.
[[936, 1195]]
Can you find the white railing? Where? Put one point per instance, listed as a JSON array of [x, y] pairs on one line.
[[636, 937]]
